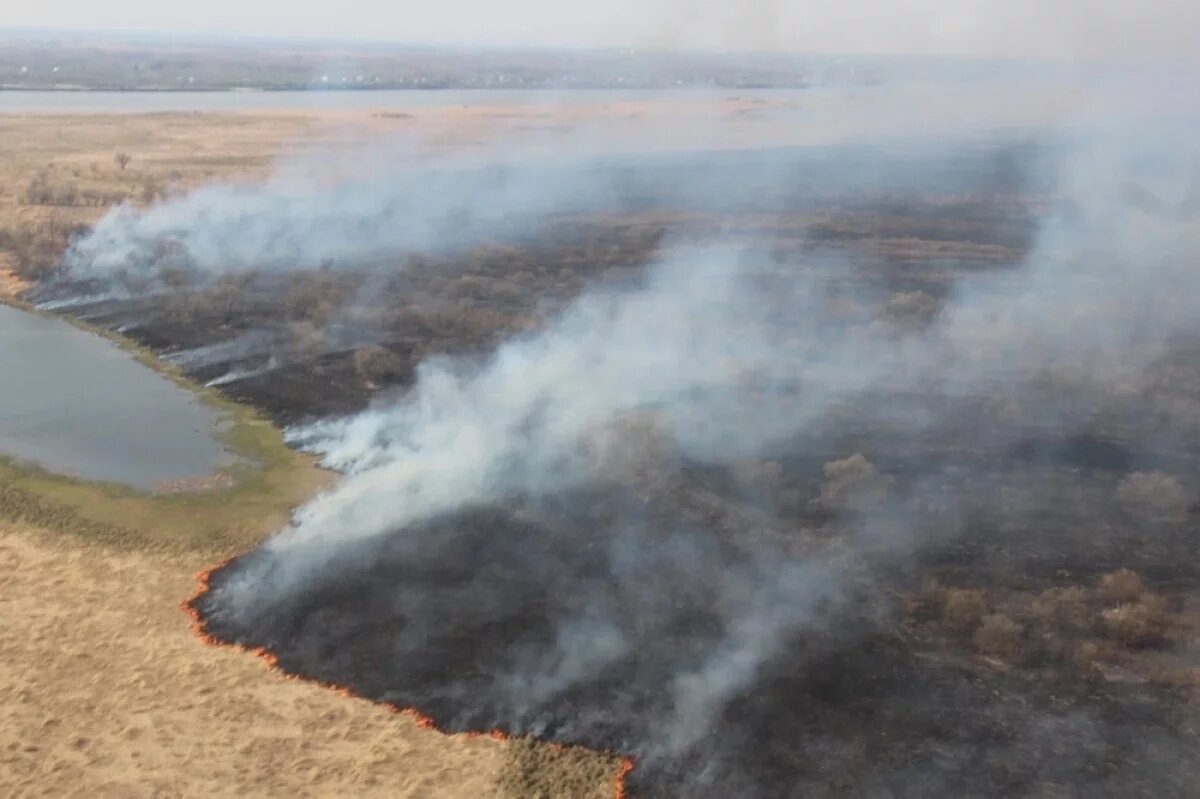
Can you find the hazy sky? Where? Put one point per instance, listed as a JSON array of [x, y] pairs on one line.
[[1066, 28]]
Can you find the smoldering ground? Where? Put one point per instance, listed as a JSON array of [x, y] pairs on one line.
[[675, 522], [686, 515], [199, 280]]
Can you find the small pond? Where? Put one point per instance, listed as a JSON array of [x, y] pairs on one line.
[[75, 403]]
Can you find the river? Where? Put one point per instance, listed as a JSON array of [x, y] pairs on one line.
[[162, 101]]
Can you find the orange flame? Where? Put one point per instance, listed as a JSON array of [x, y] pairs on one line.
[[190, 606]]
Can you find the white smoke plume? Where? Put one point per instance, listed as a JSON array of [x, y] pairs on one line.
[[722, 353], [301, 218]]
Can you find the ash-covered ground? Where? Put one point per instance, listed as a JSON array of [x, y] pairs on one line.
[[736, 655], [865, 472]]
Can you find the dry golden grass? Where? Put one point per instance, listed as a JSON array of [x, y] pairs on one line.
[[74, 155], [998, 635], [105, 692], [1122, 585], [964, 609], [1141, 623]]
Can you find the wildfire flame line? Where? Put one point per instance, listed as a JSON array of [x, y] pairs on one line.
[[190, 606]]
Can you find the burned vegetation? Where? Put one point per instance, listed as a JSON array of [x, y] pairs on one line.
[[873, 522]]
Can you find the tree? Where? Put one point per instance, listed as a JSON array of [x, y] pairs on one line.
[[122, 160]]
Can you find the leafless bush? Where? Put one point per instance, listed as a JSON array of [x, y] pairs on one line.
[[152, 190], [97, 198], [472, 287], [122, 160], [929, 601], [42, 191], [225, 298], [998, 635], [314, 298], [505, 292], [758, 473], [629, 449], [1062, 608], [39, 191], [307, 341], [179, 307], [963, 609], [910, 308], [1154, 494], [1089, 655], [66, 194], [37, 252], [175, 276], [375, 364], [1123, 585], [853, 483], [1137, 624]]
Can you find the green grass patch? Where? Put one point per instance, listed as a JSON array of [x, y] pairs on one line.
[[266, 481]]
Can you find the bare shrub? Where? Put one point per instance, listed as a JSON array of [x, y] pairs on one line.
[[998, 635], [853, 483], [910, 308], [314, 298], [225, 298], [929, 600], [179, 307], [963, 609], [37, 252], [1154, 494], [1062, 607], [630, 448], [504, 292], [1123, 585], [122, 160], [1138, 624], [1089, 655], [39, 190], [307, 342], [472, 287], [758, 473], [152, 190], [375, 364], [175, 276], [66, 194], [42, 191]]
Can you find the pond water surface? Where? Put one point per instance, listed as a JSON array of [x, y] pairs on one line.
[[75, 403]]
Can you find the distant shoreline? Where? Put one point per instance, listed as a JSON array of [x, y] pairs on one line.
[[66, 89]]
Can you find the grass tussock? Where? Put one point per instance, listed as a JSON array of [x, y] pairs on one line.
[[537, 771]]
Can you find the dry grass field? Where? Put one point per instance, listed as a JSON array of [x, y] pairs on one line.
[[64, 170], [105, 691]]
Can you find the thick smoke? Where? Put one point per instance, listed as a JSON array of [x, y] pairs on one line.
[[719, 355], [302, 218], [555, 538], [728, 351]]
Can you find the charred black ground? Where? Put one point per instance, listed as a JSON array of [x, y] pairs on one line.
[[873, 697], [989, 603]]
